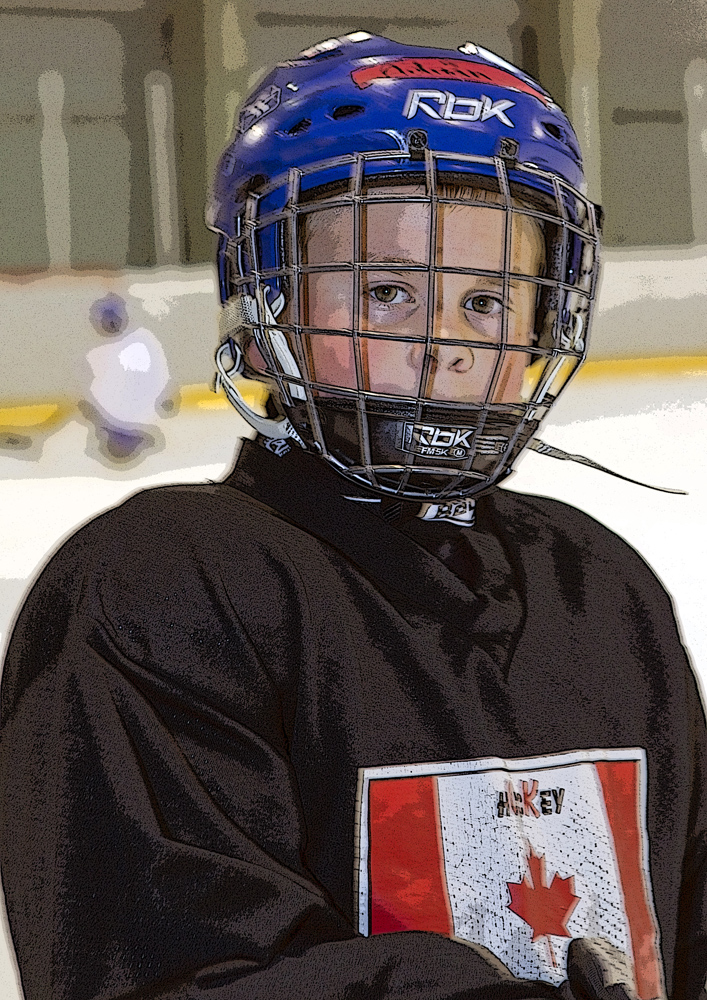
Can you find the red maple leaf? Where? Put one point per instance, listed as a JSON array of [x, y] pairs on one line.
[[546, 908]]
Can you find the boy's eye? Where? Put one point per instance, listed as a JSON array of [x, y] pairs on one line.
[[483, 304], [390, 294]]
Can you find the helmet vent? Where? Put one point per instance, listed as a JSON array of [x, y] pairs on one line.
[[347, 111], [554, 130], [299, 127]]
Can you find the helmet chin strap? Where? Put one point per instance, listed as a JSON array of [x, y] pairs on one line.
[[245, 311], [224, 378], [546, 449]]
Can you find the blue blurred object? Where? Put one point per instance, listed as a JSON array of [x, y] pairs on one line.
[[109, 315]]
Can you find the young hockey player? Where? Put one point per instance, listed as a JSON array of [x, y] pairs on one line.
[[355, 722]]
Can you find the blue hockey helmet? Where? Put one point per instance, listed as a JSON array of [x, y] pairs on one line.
[[437, 372]]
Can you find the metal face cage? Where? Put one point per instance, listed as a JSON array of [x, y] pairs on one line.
[[415, 314]]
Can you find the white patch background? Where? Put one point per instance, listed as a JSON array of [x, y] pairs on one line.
[[483, 852]]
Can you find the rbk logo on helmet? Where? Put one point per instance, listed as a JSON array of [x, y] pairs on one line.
[[456, 109]]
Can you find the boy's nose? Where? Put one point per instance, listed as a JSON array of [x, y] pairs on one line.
[[455, 358]]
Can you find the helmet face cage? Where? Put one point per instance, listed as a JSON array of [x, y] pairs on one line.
[[417, 406]]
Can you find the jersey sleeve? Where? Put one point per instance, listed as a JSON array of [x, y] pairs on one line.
[[152, 838]]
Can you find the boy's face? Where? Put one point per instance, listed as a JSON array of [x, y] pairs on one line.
[[467, 308]]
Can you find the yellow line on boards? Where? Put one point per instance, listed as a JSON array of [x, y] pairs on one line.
[[31, 415], [642, 367], [202, 396]]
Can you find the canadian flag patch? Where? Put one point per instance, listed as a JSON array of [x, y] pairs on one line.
[[519, 856]]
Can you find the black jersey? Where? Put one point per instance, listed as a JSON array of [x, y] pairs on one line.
[[204, 679]]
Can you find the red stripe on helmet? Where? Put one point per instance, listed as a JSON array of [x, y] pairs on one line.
[[443, 69]]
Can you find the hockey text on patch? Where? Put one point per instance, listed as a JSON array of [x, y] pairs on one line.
[[528, 801]]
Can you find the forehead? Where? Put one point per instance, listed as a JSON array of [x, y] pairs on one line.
[[395, 226]]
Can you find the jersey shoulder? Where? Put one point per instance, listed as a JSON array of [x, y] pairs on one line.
[[162, 540], [571, 534], [172, 519]]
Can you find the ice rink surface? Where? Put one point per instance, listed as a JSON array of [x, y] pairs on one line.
[[652, 428]]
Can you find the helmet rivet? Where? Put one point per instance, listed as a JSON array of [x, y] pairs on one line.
[[508, 148], [417, 143]]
